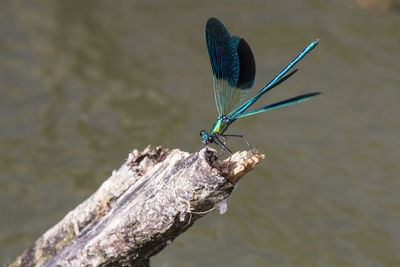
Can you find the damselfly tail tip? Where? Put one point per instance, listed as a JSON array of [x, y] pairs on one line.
[[315, 94]]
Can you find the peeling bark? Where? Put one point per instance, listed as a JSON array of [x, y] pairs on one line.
[[155, 196]]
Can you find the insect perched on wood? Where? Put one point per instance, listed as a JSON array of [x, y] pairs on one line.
[[234, 72]]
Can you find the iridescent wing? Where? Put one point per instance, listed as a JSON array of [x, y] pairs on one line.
[[232, 64]]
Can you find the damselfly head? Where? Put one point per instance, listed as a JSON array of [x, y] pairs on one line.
[[206, 138]]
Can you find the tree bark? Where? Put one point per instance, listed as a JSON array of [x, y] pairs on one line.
[[155, 196]]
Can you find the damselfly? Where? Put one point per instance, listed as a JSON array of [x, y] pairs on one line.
[[234, 72]]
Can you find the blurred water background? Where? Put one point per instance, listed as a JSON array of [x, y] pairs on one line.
[[82, 83]]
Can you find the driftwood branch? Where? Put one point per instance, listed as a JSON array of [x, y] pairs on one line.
[[155, 196]]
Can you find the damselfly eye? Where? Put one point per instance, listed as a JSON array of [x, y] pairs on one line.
[[202, 132]]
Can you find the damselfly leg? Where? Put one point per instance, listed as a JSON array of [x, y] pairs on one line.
[[241, 136]]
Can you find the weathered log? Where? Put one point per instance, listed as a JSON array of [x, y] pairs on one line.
[[154, 196]]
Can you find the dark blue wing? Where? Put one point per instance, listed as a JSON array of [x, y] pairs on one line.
[[247, 64], [222, 52], [232, 64]]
